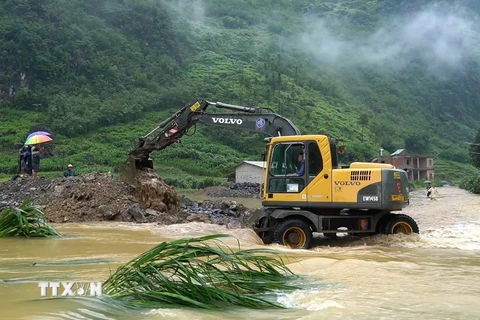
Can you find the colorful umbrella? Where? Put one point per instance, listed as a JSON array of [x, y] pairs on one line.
[[36, 133], [38, 139]]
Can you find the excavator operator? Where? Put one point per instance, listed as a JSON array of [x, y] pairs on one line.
[[301, 161]]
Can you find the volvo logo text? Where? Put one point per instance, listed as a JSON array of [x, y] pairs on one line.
[[227, 120], [347, 183]]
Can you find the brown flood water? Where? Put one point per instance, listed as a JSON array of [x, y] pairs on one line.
[[434, 275]]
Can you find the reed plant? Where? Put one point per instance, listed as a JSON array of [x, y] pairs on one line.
[[27, 220], [200, 273]]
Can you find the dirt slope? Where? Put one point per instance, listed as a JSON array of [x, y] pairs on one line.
[[100, 196]]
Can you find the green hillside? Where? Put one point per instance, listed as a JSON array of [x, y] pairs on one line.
[[99, 74]]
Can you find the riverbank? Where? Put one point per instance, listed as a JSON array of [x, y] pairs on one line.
[[101, 196], [104, 197]]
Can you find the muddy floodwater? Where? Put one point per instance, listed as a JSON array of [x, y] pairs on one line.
[[434, 275]]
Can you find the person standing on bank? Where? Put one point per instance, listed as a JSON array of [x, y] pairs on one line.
[[21, 160], [69, 172], [37, 152]]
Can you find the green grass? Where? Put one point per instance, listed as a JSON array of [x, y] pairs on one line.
[[27, 220], [453, 171], [200, 273]]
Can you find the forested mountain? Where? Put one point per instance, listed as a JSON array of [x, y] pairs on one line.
[[100, 73]]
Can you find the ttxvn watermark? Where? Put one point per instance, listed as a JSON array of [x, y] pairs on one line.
[[70, 289]]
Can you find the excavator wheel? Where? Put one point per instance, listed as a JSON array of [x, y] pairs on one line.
[[400, 223], [267, 237], [382, 224], [293, 233]]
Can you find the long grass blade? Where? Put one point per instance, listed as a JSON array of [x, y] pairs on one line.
[[200, 273], [27, 220]]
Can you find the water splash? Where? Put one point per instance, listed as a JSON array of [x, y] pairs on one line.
[[464, 236], [312, 299]]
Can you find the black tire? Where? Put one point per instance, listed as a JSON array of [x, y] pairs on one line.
[[401, 223], [293, 233], [382, 224], [266, 237]]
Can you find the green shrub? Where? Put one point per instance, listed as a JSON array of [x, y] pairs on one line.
[[174, 182], [208, 182], [471, 184]]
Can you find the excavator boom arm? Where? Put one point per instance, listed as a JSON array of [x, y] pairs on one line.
[[170, 131]]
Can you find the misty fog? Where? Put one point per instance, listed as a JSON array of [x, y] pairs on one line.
[[440, 39]]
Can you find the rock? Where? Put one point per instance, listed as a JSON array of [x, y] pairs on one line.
[[136, 212], [151, 212], [158, 205], [187, 202], [58, 189], [111, 215], [126, 216], [235, 190]]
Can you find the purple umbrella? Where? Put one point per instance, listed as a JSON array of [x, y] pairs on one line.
[[36, 133]]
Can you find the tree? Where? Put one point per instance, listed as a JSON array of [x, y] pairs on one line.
[[418, 142], [475, 150], [363, 121]]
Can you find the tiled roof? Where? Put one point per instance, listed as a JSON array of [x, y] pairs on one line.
[[396, 153], [260, 164]]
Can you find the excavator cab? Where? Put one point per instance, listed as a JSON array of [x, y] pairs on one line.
[[293, 163]]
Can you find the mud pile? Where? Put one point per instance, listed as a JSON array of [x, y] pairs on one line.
[[100, 196]]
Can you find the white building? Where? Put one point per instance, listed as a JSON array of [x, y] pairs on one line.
[[250, 171]]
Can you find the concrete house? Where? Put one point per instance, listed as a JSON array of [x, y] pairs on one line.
[[418, 167], [250, 171]]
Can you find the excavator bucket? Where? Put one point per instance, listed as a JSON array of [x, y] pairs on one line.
[[128, 170]]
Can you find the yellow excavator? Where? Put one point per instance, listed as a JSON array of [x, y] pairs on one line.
[[304, 189]]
